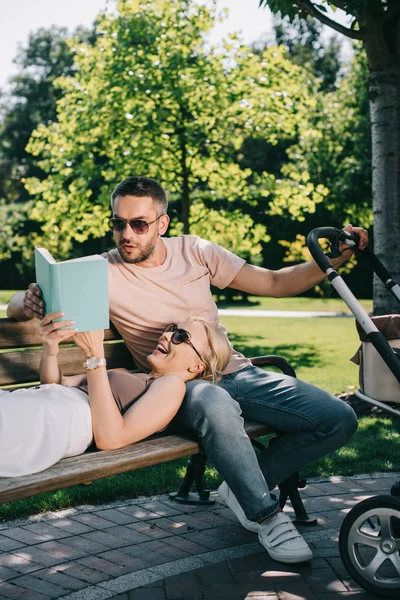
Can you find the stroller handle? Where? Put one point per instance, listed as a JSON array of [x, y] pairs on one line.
[[335, 236]]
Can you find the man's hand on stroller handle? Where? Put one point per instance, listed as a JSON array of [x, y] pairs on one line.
[[358, 237]]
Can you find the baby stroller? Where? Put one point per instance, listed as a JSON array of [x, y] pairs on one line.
[[369, 539]]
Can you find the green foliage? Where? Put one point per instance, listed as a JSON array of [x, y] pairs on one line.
[[150, 97], [231, 229]]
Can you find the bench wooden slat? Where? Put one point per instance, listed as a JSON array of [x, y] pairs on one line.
[[23, 367], [95, 465], [25, 334]]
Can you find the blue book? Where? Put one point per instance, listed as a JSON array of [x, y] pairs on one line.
[[78, 288]]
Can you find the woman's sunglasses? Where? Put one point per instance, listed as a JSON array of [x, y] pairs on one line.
[[137, 225], [180, 336]]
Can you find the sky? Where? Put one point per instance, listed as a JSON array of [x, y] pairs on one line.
[[21, 17]]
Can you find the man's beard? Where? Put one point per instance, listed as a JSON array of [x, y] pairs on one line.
[[144, 253]]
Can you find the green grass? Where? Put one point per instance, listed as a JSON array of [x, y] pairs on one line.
[[319, 349], [6, 295], [295, 303]]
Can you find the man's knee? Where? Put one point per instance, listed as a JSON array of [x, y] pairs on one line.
[[344, 421], [211, 406]]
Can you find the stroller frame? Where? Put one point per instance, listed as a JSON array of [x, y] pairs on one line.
[[373, 525]]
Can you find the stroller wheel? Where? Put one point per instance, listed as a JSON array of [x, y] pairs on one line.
[[369, 544]]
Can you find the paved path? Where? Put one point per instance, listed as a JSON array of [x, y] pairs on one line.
[[155, 549], [244, 312]]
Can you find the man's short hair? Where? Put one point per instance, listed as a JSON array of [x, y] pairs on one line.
[[141, 186]]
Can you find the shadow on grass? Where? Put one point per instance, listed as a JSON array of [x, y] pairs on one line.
[[298, 355], [374, 447]]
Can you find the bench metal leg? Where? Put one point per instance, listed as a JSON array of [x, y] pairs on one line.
[[194, 473], [289, 488]]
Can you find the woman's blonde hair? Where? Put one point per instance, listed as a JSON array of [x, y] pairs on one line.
[[217, 354]]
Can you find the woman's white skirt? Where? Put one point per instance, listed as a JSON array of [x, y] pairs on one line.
[[41, 425]]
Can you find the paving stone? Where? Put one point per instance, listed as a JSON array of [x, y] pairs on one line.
[[153, 530], [33, 584], [184, 544], [7, 544], [60, 578], [70, 526], [346, 596], [23, 535], [212, 518], [227, 592], [121, 558], [161, 508], [82, 572], [39, 556], [6, 573], [92, 520], [139, 513], [10, 590], [86, 546], [61, 550], [261, 581], [188, 508], [205, 540], [245, 564], [124, 538], [191, 522], [46, 530], [159, 547], [116, 516], [147, 557], [234, 534], [21, 564], [185, 585], [131, 534], [104, 566], [147, 593], [219, 573], [325, 580]]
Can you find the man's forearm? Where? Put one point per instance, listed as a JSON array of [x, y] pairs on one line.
[[15, 308], [294, 280]]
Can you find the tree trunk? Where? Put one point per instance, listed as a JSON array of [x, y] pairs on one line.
[[384, 102], [185, 183]]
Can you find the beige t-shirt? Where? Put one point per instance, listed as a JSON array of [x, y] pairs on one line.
[[144, 300]]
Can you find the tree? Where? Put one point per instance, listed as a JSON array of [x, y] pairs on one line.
[[151, 97], [30, 101], [376, 23]]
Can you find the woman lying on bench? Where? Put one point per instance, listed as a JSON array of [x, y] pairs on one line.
[[61, 417]]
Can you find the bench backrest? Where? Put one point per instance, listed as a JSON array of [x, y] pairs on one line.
[[20, 350]]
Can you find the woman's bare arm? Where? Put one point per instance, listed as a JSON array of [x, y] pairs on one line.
[[52, 333]]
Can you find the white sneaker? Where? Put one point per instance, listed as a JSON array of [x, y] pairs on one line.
[[282, 541], [229, 499]]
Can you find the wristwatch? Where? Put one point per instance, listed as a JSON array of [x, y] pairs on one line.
[[93, 362]]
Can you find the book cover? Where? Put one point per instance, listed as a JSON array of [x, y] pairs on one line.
[[77, 287]]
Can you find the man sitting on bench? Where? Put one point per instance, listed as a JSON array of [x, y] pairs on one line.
[[153, 279]]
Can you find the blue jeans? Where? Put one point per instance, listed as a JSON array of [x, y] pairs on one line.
[[312, 422]]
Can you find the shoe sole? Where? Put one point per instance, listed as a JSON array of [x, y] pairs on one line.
[[287, 559]]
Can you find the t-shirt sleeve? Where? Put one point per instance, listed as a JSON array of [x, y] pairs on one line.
[[222, 264]]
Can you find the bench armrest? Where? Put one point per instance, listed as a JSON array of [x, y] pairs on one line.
[[275, 361]]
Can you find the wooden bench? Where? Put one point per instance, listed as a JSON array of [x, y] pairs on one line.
[[20, 349]]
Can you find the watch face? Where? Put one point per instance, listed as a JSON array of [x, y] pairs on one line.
[[92, 362]]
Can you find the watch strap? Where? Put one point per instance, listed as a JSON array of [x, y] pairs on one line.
[[93, 362]]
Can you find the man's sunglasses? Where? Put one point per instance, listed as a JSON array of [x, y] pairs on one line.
[[137, 225], [180, 336]]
